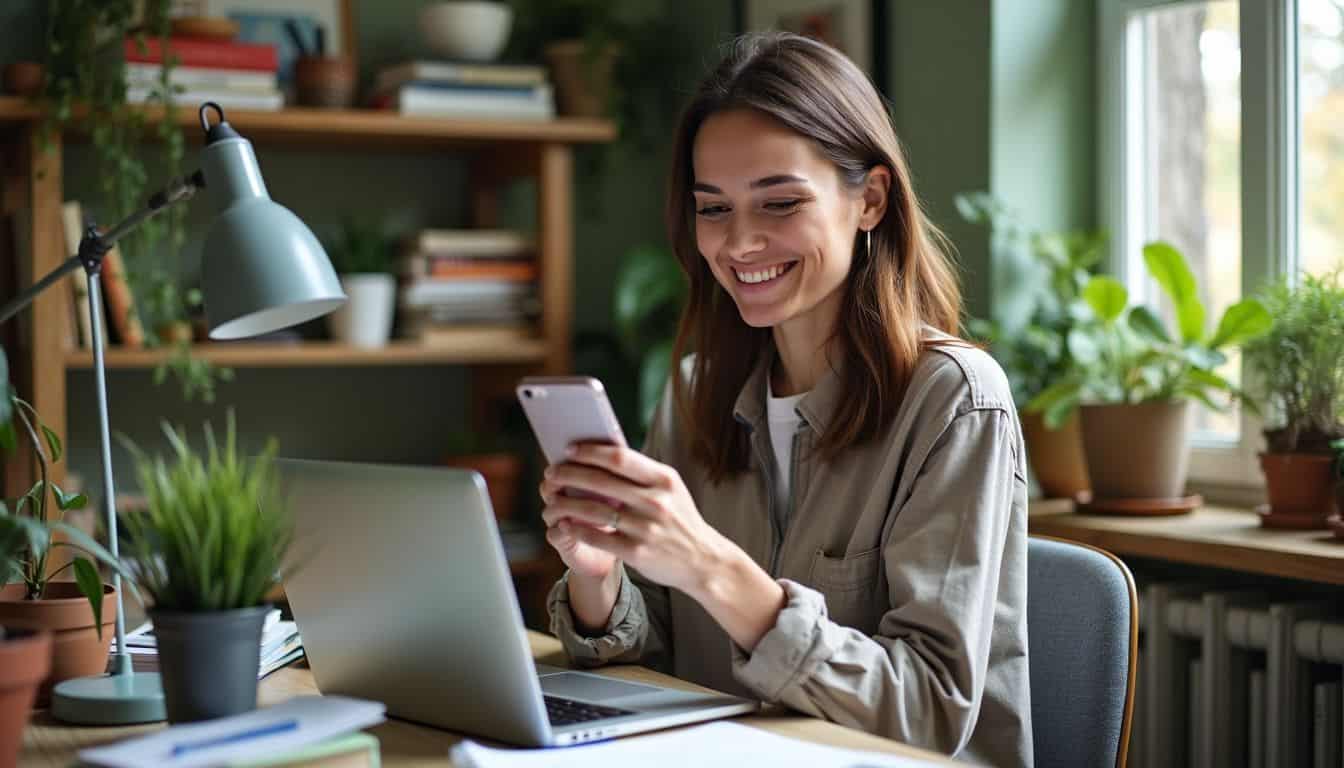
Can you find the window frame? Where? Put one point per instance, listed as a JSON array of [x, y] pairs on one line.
[[1270, 127]]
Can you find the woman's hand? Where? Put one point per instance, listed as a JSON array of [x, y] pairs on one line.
[[645, 516]]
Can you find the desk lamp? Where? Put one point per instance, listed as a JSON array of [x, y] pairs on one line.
[[262, 270]]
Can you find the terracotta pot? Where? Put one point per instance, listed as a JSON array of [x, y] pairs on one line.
[[1136, 451], [501, 471], [24, 78], [76, 649], [324, 81], [25, 659], [1300, 484], [172, 333], [1056, 456], [582, 84]]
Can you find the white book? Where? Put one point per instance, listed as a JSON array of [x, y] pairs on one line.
[[471, 243], [453, 72], [142, 75], [259, 100], [536, 104], [425, 293]]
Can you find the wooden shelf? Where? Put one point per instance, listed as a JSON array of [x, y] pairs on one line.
[[1219, 537], [366, 127], [319, 353]]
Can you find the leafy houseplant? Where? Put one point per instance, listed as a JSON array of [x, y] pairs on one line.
[[1135, 379], [1298, 374], [208, 548], [650, 292], [1028, 333], [31, 531], [362, 254]]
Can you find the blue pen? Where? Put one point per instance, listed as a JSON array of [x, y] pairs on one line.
[[232, 738]]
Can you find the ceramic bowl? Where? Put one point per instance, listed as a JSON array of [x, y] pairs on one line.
[[471, 30]]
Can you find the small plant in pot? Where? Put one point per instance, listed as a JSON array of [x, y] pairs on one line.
[[1044, 275], [1297, 372], [32, 594], [1134, 381], [25, 660], [208, 547], [362, 254]]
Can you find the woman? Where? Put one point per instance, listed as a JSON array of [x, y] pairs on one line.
[[830, 511]]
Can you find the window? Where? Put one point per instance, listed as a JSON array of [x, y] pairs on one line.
[[1320, 45]]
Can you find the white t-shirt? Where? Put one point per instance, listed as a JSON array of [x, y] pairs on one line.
[[782, 416]]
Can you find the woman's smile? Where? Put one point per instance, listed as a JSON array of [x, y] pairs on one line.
[[756, 279]]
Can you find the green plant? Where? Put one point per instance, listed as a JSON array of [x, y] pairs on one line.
[[1125, 354], [215, 531], [26, 540], [1298, 366], [1338, 447], [361, 247], [650, 290], [1029, 329]]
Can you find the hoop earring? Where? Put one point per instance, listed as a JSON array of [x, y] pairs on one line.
[[868, 246]]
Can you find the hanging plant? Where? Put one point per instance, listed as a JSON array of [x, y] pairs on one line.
[[85, 87]]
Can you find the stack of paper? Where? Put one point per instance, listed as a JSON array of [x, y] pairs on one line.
[[280, 645], [292, 725], [717, 745]]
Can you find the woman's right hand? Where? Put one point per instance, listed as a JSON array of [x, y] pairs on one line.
[[583, 559]]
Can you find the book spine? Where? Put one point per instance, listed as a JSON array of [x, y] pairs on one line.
[[467, 243], [120, 301], [148, 75], [205, 53], [465, 269], [265, 102], [459, 74], [72, 216]]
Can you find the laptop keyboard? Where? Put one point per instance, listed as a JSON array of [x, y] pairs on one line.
[[568, 711]]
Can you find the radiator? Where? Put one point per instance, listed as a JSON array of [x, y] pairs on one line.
[[1237, 679]]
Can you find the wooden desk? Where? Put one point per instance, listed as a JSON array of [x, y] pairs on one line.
[[49, 744], [1220, 537]]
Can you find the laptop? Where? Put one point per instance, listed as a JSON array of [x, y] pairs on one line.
[[404, 596]]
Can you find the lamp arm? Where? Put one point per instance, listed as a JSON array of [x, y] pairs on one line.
[[94, 245]]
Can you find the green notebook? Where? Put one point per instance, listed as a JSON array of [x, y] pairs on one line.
[[351, 747]]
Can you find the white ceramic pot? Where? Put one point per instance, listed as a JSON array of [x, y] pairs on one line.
[[474, 30], [365, 320]]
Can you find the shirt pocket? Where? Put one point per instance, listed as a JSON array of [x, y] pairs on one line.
[[852, 586]]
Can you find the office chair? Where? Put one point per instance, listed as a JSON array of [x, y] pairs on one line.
[[1083, 638]]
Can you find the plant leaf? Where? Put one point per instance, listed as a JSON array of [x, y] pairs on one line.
[[53, 441], [91, 586], [1169, 269], [1242, 322], [6, 391], [649, 280], [68, 501], [1148, 325], [653, 375], [1107, 297], [1083, 346]]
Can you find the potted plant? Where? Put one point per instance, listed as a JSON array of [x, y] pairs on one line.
[[1297, 370], [650, 291], [208, 547], [25, 658], [1043, 277], [31, 595], [578, 40], [361, 252], [1134, 381]]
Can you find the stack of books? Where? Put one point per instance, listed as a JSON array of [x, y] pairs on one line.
[[469, 286], [480, 91], [280, 645], [118, 300], [234, 75]]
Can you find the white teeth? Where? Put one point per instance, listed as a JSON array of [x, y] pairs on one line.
[[761, 276]]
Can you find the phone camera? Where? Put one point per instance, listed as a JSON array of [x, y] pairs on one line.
[[527, 393]]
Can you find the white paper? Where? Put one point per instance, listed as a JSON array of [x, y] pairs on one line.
[[319, 718], [717, 745]]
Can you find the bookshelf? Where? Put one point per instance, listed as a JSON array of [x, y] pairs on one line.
[[497, 152]]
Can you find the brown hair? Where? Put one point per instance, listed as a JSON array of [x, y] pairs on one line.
[[906, 281]]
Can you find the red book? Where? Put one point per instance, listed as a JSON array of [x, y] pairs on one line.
[[213, 54]]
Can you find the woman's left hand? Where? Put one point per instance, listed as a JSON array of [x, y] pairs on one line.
[[651, 521]]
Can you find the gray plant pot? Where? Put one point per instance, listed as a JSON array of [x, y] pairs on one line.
[[208, 661]]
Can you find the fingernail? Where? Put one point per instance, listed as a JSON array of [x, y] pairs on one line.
[[572, 451], [549, 473]]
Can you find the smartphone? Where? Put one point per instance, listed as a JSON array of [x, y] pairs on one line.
[[568, 409]]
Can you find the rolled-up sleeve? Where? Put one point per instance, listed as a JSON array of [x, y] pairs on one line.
[[636, 631], [921, 678]]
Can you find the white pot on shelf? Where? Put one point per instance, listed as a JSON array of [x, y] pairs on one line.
[[365, 320]]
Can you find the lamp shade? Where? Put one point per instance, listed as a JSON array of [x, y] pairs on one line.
[[263, 269]]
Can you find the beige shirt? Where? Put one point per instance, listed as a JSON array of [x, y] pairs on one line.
[[904, 562]]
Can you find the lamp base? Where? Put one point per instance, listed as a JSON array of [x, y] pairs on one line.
[[123, 699]]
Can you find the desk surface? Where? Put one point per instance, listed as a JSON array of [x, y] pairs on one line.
[[49, 744], [1220, 537]]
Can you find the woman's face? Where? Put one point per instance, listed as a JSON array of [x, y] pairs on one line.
[[773, 219]]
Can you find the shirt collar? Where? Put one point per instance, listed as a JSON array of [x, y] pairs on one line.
[[817, 407]]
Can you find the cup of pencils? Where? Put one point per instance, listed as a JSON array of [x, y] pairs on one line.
[[320, 80]]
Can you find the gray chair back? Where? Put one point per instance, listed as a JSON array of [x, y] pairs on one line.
[[1082, 634]]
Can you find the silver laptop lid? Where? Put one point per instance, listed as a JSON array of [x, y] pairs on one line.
[[405, 597]]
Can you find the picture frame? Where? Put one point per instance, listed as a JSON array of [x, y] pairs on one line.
[[856, 28], [263, 21]]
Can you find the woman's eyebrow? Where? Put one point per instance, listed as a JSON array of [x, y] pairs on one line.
[[766, 181]]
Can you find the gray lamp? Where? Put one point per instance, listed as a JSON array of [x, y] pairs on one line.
[[263, 270]]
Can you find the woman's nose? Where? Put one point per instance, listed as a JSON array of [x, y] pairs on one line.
[[742, 241]]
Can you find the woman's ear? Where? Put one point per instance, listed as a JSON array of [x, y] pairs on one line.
[[876, 190]]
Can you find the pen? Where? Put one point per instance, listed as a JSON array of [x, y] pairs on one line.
[[216, 741], [292, 28]]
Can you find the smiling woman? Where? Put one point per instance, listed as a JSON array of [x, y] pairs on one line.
[[830, 509]]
